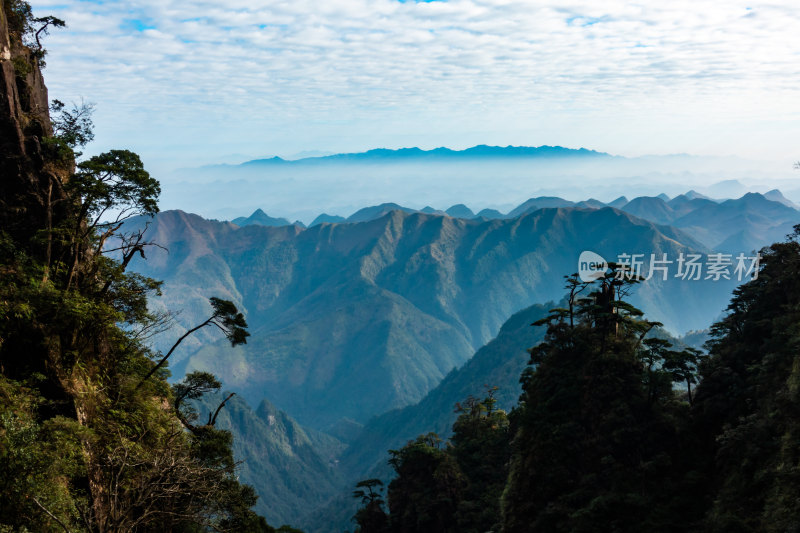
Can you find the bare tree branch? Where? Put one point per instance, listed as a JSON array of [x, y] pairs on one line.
[[51, 515], [213, 420]]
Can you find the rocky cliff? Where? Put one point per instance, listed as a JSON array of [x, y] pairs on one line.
[[31, 174]]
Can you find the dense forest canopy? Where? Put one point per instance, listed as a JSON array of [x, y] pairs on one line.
[[618, 429]]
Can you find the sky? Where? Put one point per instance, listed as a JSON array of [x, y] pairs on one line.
[[192, 82]]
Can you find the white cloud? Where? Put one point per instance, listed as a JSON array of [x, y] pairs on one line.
[[283, 76]]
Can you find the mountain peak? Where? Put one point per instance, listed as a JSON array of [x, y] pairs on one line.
[[325, 218], [377, 211], [260, 218], [619, 202], [652, 208], [777, 196], [460, 211], [541, 202], [693, 195]]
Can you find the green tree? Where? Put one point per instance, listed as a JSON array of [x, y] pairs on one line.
[[44, 24], [73, 127], [454, 486], [224, 317], [38, 462], [480, 446], [371, 517], [683, 367], [429, 485], [594, 430], [29, 29]]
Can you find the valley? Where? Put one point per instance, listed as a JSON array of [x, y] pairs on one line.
[[368, 329]]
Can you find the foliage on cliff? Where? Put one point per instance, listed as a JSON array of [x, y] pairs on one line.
[[748, 401], [92, 437]]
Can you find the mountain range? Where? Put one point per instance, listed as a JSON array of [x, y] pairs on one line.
[[733, 225], [476, 152], [338, 184], [365, 331], [385, 308]]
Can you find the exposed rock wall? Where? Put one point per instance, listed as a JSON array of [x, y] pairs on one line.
[[30, 179]]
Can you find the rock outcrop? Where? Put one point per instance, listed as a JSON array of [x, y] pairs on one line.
[[31, 174]]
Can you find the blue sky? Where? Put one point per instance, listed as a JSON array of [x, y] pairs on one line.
[[192, 82]]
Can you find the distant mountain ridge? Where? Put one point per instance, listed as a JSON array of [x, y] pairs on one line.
[[325, 218], [777, 196], [491, 177], [735, 225], [479, 151]]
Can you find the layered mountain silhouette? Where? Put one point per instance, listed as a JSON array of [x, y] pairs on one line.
[[351, 320], [777, 196], [367, 328], [736, 226], [442, 153]]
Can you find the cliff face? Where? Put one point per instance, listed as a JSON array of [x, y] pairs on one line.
[[30, 178]]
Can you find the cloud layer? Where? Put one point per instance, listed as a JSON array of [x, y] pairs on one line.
[[202, 79]]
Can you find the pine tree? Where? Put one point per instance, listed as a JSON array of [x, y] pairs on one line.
[[480, 446], [371, 518], [428, 488], [593, 433]]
